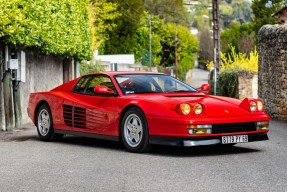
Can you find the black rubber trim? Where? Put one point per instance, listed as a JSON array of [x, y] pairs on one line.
[[91, 135], [179, 141]]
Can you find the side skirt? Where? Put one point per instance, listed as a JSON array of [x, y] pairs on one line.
[[83, 134]]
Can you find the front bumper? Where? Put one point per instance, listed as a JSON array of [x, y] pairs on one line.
[[190, 142]]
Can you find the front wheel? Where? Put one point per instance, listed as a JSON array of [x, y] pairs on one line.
[[45, 124], [134, 131]]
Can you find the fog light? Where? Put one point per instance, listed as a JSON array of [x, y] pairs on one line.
[[263, 125], [199, 129]]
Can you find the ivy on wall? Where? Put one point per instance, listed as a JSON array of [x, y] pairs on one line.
[[51, 27]]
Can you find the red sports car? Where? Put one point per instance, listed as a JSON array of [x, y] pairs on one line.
[[140, 109]]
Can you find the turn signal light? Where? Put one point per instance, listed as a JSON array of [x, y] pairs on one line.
[[199, 129]]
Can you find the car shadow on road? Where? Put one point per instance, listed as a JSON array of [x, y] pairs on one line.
[[201, 150], [160, 150], [155, 150]]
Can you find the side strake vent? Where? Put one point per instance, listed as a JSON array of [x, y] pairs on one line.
[[74, 116]]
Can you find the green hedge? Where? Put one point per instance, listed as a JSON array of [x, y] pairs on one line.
[[227, 83], [50, 26]]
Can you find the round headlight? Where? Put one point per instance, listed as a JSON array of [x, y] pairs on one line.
[[253, 106], [198, 109], [260, 105], [185, 108]]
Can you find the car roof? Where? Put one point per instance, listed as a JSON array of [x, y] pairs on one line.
[[112, 73]]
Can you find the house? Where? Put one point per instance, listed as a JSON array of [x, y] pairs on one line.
[[282, 15], [118, 62]]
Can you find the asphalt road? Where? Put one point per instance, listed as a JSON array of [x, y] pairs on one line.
[[197, 77], [81, 164]]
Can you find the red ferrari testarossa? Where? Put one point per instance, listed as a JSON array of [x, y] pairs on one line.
[[142, 108]]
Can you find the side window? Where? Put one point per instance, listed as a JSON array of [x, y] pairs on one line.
[[99, 80], [81, 85]]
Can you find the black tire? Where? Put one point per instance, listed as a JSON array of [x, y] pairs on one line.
[[134, 131], [45, 124]]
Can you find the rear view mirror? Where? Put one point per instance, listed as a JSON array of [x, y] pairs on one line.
[[204, 87]]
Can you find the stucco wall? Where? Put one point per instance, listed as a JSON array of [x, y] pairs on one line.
[[42, 74], [247, 85], [272, 77]]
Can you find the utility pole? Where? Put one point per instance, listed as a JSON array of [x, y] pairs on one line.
[[175, 54], [150, 45], [216, 40]]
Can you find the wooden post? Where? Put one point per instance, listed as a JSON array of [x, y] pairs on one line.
[[68, 69], [2, 111], [8, 101]]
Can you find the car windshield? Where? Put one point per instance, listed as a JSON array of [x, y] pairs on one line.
[[150, 83]]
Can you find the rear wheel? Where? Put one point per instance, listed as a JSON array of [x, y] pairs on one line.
[[134, 131], [45, 124]]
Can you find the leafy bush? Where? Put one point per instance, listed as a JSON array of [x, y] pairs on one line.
[[52, 27], [231, 65], [240, 61], [228, 83], [90, 67]]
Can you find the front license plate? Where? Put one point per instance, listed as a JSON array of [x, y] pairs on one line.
[[234, 139]]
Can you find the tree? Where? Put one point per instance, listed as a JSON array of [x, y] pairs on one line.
[[242, 12], [172, 11], [262, 11], [121, 37], [241, 37], [141, 39], [187, 45], [105, 14], [51, 27], [205, 52]]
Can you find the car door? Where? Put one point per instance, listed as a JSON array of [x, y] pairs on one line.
[[96, 113]]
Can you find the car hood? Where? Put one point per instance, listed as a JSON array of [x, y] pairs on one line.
[[214, 106]]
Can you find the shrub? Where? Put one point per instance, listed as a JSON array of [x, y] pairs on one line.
[[232, 64], [51, 27], [90, 67], [240, 61], [228, 83]]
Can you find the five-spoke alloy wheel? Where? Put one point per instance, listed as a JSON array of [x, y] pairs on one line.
[[45, 124], [134, 131]]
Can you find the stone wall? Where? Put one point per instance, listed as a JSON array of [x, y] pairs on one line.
[[247, 85], [272, 87], [42, 74]]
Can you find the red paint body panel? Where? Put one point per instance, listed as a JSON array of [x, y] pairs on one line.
[[103, 113]]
